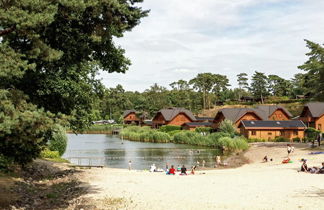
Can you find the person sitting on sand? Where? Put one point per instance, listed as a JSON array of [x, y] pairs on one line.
[[265, 159], [171, 170], [153, 168], [183, 170], [304, 167], [321, 170]]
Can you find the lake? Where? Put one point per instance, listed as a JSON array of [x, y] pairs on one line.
[[113, 152]]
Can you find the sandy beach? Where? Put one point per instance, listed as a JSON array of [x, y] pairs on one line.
[[256, 185]]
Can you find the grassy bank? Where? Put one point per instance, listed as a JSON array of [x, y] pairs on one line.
[[219, 140], [101, 129]]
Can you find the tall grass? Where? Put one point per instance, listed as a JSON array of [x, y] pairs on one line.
[[219, 140], [145, 134]]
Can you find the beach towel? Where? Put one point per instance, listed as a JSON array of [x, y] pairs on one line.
[[315, 153]]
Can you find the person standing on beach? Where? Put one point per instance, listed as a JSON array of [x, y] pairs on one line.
[[203, 163], [130, 165], [289, 149]]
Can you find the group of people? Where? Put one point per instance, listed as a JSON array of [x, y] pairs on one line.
[[313, 170]]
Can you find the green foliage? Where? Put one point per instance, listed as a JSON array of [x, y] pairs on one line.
[[46, 153], [252, 140], [25, 129], [53, 49], [168, 128], [104, 127], [259, 85], [205, 130], [218, 140], [311, 134], [5, 163], [281, 139], [296, 139], [145, 134], [227, 126], [58, 141], [313, 80]]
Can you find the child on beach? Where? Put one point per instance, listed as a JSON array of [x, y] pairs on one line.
[[171, 171], [289, 149], [130, 165], [183, 170]]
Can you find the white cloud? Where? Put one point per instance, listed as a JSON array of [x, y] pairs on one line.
[[181, 38]]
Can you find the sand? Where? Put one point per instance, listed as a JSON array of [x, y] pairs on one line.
[[256, 185]]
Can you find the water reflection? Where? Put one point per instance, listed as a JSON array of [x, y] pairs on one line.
[[113, 152]]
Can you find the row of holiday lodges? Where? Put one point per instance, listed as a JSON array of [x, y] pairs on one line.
[[263, 122]]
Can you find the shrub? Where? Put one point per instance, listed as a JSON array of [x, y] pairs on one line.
[[252, 140], [227, 126], [5, 163], [46, 153], [58, 140], [312, 133], [281, 139], [169, 128], [204, 130], [172, 133], [297, 139], [25, 129]]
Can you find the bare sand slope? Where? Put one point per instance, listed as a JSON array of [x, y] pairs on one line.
[[257, 185]]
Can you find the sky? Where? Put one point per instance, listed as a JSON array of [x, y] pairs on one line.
[[182, 38]]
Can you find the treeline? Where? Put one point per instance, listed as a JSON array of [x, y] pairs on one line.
[[207, 90]]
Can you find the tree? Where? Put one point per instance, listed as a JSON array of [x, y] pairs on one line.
[[59, 46], [259, 85], [242, 81], [314, 67], [50, 54], [220, 85], [279, 86]]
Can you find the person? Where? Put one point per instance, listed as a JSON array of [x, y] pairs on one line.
[[304, 167], [167, 166], [265, 159], [153, 168], [203, 163], [130, 165], [171, 171], [178, 168], [193, 168], [218, 160], [321, 170], [319, 139], [197, 163], [288, 149], [183, 170]]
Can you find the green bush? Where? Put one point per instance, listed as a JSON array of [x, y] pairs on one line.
[[58, 140], [25, 129], [205, 130], [5, 163], [227, 126], [145, 134], [172, 133], [252, 140], [312, 133], [297, 139], [281, 139], [169, 128], [46, 153]]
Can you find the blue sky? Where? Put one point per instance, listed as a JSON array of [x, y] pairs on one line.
[[182, 38]]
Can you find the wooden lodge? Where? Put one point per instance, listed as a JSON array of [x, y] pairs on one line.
[[172, 116], [131, 117], [264, 112], [313, 115], [269, 130]]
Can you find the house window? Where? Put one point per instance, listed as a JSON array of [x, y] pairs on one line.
[[269, 133], [296, 133], [282, 133], [320, 127], [253, 133]]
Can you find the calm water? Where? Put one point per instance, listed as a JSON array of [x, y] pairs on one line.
[[115, 153]]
